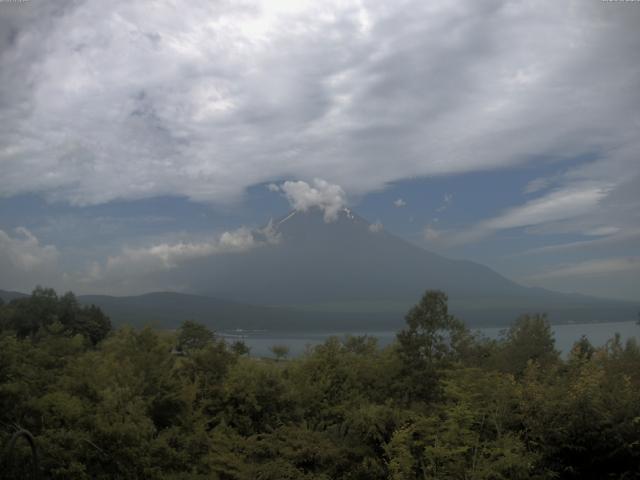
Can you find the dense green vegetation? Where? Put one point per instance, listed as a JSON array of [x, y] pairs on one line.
[[440, 403]]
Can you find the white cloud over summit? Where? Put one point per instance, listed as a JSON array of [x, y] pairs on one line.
[[321, 194]]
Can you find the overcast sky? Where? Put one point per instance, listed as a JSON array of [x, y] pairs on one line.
[[140, 134]]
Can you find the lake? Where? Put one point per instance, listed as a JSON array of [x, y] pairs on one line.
[[565, 335]]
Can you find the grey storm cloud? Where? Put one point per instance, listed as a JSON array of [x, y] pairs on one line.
[[127, 100]]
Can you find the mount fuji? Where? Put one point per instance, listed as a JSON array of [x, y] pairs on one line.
[[350, 267]]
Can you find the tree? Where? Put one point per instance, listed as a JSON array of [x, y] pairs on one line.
[[92, 323], [280, 351], [427, 343], [194, 336], [88, 321], [360, 345], [528, 339], [29, 314], [240, 348], [582, 349], [45, 313], [4, 312]]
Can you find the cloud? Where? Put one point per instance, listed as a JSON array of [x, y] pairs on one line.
[[399, 203], [555, 206], [113, 100], [446, 201], [591, 268], [537, 184], [561, 204], [630, 238], [376, 227], [431, 234], [603, 230], [321, 194], [122, 271], [24, 262]]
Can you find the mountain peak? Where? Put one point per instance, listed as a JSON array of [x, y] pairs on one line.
[[311, 225], [317, 213], [349, 214]]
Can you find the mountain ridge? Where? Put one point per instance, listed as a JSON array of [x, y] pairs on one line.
[[352, 263]]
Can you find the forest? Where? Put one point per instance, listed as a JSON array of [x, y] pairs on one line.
[[439, 403]]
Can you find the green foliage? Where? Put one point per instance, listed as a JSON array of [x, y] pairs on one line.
[[193, 336], [439, 403], [240, 348], [428, 344], [45, 313], [280, 351], [529, 339]]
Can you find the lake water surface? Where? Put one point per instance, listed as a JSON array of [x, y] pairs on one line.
[[565, 335]]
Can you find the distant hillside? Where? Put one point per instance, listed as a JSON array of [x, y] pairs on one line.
[[168, 310], [7, 296]]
